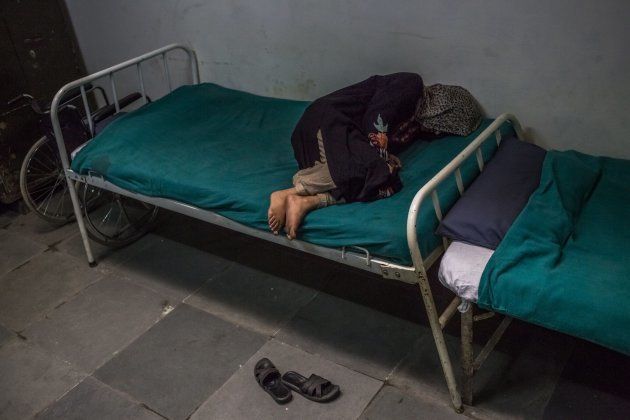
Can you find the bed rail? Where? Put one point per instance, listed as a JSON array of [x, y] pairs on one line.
[[110, 74], [438, 322], [452, 169]]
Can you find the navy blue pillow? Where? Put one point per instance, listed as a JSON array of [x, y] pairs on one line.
[[487, 209]]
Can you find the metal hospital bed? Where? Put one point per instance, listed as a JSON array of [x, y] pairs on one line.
[[416, 273]]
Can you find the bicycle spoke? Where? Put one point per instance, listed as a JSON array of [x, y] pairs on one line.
[[60, 201], [106, 217], [43, 165], [40, 193], [121, 213], [39, 177], [52, 191], [55, 159], [41, 185]]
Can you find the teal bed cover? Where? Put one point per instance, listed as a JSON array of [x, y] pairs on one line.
[[565, 262], [225, 150]]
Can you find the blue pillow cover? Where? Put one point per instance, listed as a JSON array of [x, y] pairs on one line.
[[487, 209]]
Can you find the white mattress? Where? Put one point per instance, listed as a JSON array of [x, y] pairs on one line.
[[461, 269]]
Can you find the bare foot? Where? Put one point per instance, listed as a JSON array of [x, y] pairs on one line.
[[297, 207], [278, 208]]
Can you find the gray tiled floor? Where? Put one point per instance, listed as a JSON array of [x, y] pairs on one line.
[[351, 335], [116, 341], [35, 288], [30, 379], [181, 361], [391, 403], [39, 230], [92, 399], [100, 321], [171, 268], [6, 217], [73, 245], [254, 299], [17, 250], [240, 396], [5, 335]]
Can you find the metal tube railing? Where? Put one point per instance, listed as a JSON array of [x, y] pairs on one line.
[[192, 57], [430, 189], [56, 102], [453, 168]]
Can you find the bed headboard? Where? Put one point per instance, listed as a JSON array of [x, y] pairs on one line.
[[109, 73]]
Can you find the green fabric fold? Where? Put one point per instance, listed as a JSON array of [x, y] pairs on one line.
[[565, 262]]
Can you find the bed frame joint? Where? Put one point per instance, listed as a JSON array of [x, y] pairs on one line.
[[485, 315], [400, 273]]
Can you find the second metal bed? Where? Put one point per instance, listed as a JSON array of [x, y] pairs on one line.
[[413, 274]]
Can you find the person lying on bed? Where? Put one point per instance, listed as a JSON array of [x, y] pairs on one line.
[[342, 148]]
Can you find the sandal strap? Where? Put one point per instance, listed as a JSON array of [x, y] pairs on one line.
[[314, 386], [262, 375]]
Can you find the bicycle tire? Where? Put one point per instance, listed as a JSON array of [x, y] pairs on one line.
[[42, 180], [115, 237]]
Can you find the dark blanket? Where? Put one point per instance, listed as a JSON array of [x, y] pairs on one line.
[[355, 122]]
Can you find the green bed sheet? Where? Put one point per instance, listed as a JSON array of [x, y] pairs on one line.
[[225, 150], [565, 262]]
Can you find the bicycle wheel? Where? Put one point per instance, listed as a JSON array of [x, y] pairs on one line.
[[43, 183], [115, 220]]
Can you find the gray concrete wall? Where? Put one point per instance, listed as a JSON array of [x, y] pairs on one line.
[[562, 66]]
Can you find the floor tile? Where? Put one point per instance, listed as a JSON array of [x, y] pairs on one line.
[[518, 382], [40, 285], [242, 398], [30, 379], [37, 229], [181, 361], [16, 250], [197, 233], [253, 252], [92, 399], [252, 298], [73, 245], [391, 403], [593, 385], [7, 216], [352, 335], [284, 262], [393, 297], [5, 335], [168, 267], [99, 322]]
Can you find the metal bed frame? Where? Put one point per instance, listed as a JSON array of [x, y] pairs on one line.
[[352, 256]]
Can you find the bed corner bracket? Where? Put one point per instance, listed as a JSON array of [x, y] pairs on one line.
[[400, 273]]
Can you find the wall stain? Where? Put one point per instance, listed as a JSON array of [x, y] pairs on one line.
[[412, 35], [299, 89]]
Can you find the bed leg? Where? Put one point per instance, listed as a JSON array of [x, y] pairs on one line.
[[78, 214], [467, 356], [438, 337]]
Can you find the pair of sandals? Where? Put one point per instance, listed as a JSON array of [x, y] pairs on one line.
[[315, 388]]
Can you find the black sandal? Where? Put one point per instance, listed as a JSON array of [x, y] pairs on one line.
[[315, 388], [269, 379]]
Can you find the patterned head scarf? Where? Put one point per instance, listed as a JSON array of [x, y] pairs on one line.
[[448, 110]]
